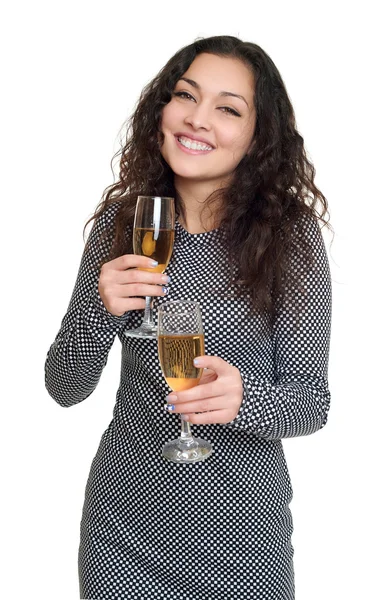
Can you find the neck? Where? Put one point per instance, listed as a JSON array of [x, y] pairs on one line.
[[193, 196]]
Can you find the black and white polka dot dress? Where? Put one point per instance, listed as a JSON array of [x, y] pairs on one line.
[[216, 530]]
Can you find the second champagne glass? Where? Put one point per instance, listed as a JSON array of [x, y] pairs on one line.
[[154, 228], [180, 340]]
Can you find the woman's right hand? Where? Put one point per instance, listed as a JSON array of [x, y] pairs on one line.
[[121, 281]]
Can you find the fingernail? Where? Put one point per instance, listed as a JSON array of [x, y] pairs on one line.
[[197, 362], [171, 397], [165, 289], [169, 407], [165, 279], [154, 263], [185, 417]]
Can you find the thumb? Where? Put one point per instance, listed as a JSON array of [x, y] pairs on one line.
[[208, 376], [216, 364]]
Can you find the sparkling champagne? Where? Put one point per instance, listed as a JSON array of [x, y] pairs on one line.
[[176, 355], [156, 244]]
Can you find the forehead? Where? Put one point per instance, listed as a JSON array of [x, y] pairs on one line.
[[219, 73]]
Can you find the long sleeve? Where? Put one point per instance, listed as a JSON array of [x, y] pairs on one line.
[[76, 359], [297, 402]]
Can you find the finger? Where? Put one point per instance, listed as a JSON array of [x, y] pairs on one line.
[[220, 366], [208, 377], [207, 390], [137, 276], [217, 403], [141, 290], [118, 299], [209, 372], [131, 261]]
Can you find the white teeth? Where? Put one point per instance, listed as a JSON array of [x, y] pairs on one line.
[[193, 145]]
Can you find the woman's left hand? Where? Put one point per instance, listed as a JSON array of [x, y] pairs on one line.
[[217, 397]]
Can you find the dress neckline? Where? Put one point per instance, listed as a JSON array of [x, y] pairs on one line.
[[196, 238]]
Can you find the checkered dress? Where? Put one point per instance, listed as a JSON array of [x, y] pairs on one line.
[[220, 529]]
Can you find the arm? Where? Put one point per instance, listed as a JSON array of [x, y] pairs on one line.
[[79, 353], [297, 403]]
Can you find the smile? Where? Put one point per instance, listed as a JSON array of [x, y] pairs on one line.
[[193, 145]]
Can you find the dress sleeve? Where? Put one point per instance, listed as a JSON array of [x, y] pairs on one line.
[[76, 358], [297, 402]]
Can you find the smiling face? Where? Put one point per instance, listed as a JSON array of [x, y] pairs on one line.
[[208, 125]]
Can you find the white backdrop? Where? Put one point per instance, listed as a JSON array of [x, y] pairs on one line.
[[72, 73]]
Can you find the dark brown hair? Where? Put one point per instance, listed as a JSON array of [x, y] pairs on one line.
[[272, 186]]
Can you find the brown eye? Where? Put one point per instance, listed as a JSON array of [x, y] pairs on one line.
[[184, 95], [230, 111]]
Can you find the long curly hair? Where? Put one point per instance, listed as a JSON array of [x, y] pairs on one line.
[[272, 186]]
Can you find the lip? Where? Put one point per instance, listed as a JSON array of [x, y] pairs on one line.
[[194, 137]]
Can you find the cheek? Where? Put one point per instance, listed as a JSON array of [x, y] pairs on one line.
[[236, 142], [239, 141], [171, 116], [163, 120]]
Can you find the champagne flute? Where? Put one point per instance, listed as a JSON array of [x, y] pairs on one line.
[[154, 229], [180, 340]]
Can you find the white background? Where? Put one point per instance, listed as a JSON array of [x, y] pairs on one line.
[[72, 73]]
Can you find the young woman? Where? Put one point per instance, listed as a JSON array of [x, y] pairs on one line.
[[215, 130]]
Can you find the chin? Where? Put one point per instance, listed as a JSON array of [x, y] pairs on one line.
[[193, 175], [181, 169]]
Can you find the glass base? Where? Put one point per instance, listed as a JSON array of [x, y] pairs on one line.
[[179, 451], [144, 331]]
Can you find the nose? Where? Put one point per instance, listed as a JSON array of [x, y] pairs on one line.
[[199, 116]]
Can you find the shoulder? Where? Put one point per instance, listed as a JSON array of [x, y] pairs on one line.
[[306, 235], [102, 233], [107, 216], [103, 223], [305, 251], [306, 224]]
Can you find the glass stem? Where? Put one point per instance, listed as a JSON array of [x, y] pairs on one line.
[[185, 432], [148, 318]]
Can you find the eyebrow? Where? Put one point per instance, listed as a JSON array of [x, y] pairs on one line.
[[198, 87]]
